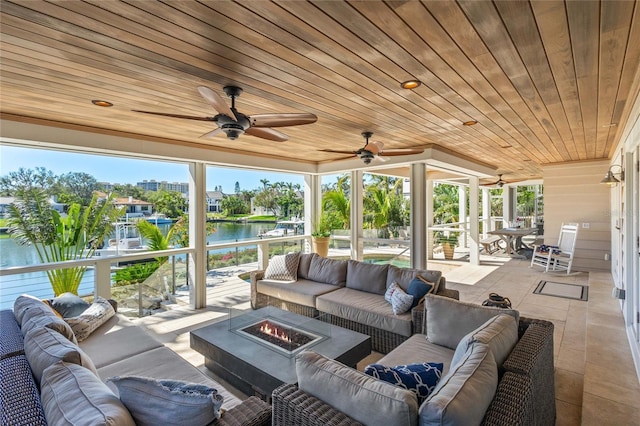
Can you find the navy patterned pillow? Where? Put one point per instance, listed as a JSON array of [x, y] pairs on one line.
[[420, 379]]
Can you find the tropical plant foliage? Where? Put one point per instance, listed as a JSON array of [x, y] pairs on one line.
[[32, 221]]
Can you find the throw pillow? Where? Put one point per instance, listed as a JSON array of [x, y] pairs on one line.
[[420, 379], [87, 322], [418, 288], [400, 301], [283, 267], [155, 402], [73, 395], [69, 305]]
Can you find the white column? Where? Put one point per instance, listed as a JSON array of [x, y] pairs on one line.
[[462, 216], [474, 202], [197, 266], [312, 204], [357, 191], [429, 215], [418, 216], [486, 212], [507, 206]]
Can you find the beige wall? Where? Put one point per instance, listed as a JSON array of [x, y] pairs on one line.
[[573, 193]]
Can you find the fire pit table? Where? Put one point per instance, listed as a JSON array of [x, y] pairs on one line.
[[255, 351]]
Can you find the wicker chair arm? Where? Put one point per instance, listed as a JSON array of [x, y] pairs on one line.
[[533, 357], [417, 319], [251, 412], [255, 276], [512, 404], [292, 406]]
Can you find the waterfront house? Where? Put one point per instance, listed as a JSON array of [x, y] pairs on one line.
[[536, 91]]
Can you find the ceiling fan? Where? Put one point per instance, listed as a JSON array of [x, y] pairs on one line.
[[499, 183], [375, 150], [233, 123]]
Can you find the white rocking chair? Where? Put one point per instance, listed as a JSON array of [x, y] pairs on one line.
[[560, 257]]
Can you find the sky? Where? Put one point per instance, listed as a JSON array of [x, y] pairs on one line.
[[124, 170]]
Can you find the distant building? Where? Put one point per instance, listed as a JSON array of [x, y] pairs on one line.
[[214, 201], [6, 201], [153, 185], [134, 207]]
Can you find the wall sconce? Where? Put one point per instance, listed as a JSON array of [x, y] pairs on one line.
[[610, 178]]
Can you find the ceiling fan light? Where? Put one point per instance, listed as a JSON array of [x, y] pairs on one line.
[[410, 84]]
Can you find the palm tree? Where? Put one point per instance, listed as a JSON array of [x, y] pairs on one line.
[[32, 221]]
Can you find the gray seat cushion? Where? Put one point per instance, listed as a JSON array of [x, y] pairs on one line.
[[365, 308], [123, 338], [163, 363], [416, 349], [302, 292]]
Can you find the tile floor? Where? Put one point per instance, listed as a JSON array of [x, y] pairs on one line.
[[596, 382]]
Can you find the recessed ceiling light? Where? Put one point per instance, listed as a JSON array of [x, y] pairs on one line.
[[470, 123], [100, 103], [410, 84]]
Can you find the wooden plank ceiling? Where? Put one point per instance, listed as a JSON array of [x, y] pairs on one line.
[[547, 81]]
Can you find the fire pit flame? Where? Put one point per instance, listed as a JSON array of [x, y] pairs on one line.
[[266, 329]]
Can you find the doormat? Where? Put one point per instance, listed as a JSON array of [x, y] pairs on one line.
[[567, 291]]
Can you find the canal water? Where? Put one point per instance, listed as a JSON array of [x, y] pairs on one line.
[[12, 254]]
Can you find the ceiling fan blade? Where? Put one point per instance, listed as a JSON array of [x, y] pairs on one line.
[[164, 114], [211, 133], [282, 120], [338, 152], [215, 101], [401, 151], [267, 133]]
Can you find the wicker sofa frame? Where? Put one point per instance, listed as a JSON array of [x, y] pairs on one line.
[[525, 393], [382, 341]]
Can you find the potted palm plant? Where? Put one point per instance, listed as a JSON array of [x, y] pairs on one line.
[[320, 237], [448, 241]]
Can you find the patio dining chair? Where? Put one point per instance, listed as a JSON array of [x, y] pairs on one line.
[[559, 257]]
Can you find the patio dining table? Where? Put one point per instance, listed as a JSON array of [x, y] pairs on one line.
[[513, 238]]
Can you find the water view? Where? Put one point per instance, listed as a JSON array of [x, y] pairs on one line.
[[12, 254]]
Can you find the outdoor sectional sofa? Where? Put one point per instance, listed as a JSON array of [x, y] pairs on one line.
[[117, 348], [498, 370], [349, 291]]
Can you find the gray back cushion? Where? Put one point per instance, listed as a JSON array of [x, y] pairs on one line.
[[304, 264], [500, 333], [449, 320], [463, 396], [403, 276], [367, 277], [73, 395], [328, 271], [359, 396], [44, 347]]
